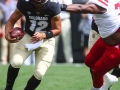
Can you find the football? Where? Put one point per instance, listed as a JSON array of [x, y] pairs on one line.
[[17, 33]]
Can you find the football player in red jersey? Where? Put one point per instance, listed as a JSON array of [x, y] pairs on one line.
[[105, 53], [43, 23], [109, 79]]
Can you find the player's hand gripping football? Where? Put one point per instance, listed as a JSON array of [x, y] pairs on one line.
[[37, 37], [9, 39], [15, 35]]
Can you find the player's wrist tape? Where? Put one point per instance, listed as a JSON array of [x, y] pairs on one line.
[[49, 34], [63, 7]]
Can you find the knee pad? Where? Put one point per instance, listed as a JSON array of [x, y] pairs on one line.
[[17, 61], [39, 74]]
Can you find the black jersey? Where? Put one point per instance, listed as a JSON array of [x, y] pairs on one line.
[[38, 20], [94, 26]]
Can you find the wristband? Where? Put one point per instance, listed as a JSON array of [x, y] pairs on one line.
[[49, 34], [63, 7]]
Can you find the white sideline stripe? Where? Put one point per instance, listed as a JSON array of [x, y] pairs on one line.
[[63, 64]]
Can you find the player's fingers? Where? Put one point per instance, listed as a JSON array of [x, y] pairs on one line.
[[36, 34], [37, 37], [11, 40], [14, 41], [34, 40]]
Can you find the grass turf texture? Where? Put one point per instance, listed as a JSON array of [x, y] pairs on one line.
[[58, 77]]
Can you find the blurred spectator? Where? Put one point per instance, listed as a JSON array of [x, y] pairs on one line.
[[1, 16], [7, 7], [1, 33], [65, 34], [85, 27]]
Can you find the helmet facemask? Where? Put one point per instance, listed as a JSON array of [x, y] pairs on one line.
[[38, 2]]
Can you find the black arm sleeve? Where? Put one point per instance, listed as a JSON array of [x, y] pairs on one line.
[[94, 26], [19, 4]]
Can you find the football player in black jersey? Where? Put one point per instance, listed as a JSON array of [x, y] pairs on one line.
[[43, 23]]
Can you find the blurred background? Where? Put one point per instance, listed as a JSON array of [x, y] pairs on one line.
[[67, 71], [76, 37], [77, 41]]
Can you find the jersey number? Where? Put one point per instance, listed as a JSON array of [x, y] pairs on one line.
[[117, 7], [38, 26]]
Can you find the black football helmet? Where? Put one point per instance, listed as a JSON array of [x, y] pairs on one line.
[[38, 2]]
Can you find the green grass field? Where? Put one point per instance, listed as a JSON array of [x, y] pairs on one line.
[[58, 77]]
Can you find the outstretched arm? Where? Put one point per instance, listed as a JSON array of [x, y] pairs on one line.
[[83, 8]]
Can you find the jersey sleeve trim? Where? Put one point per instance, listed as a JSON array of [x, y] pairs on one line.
[[101, 3], [19, 11], [56, 15]]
